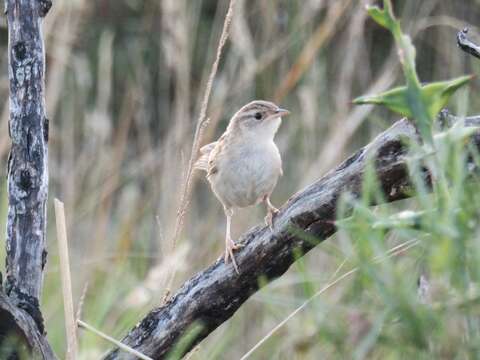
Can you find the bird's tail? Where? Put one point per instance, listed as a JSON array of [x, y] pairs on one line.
[[202, 161]]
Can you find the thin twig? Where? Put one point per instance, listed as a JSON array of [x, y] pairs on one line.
[[399, 249], [467, 45], [202, 122], [81, 302], [70, 328], [113, 341]]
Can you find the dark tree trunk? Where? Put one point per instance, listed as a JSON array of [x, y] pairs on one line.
[[213, 295], [27, 176]]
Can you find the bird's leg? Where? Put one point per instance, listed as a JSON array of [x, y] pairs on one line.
[[271, 212], [230, 245]]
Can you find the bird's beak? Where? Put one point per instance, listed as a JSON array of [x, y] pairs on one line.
[[282, 112]]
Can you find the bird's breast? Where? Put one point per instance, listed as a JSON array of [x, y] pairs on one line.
[[246, 174]]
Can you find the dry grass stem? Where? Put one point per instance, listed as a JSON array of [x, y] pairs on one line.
[[201, 124], [113, 341], [200, 127], [70, 327]]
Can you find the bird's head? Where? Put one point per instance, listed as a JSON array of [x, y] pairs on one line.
[[259, 118]]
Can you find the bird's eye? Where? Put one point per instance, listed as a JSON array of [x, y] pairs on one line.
[[258, 116]]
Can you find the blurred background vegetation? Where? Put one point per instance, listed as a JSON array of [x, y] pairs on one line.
[[124, 83]]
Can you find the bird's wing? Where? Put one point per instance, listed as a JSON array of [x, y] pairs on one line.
[[202, 161]]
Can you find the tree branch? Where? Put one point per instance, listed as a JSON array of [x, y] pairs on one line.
[[27, 180], [466, 44], [213, 295]]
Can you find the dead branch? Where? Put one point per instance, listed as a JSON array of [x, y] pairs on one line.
[[20, 313], [212, 296], [466, 44]]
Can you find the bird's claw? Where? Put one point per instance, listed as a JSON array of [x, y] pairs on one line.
[[270, 217], [231, 245]]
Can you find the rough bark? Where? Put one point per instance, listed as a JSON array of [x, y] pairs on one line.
[[27, 176], [213, 295]]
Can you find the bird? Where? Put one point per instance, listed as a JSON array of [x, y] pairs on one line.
[[244, 164]]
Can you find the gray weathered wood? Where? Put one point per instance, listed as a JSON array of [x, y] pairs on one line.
[[466, 44], [213, 295], [27, 178]]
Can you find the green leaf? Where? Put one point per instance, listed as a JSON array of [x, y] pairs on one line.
[[421, 103], [384, 17], [394, 99], [378, 15], [435, 97], [437, 94]]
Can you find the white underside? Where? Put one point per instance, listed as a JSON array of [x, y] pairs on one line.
[[247, 174]]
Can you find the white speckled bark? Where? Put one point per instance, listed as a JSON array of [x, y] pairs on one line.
[[28, 169], [27, 176]]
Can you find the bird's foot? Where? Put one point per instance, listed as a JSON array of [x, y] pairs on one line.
[[230, 246], [271, 213]]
